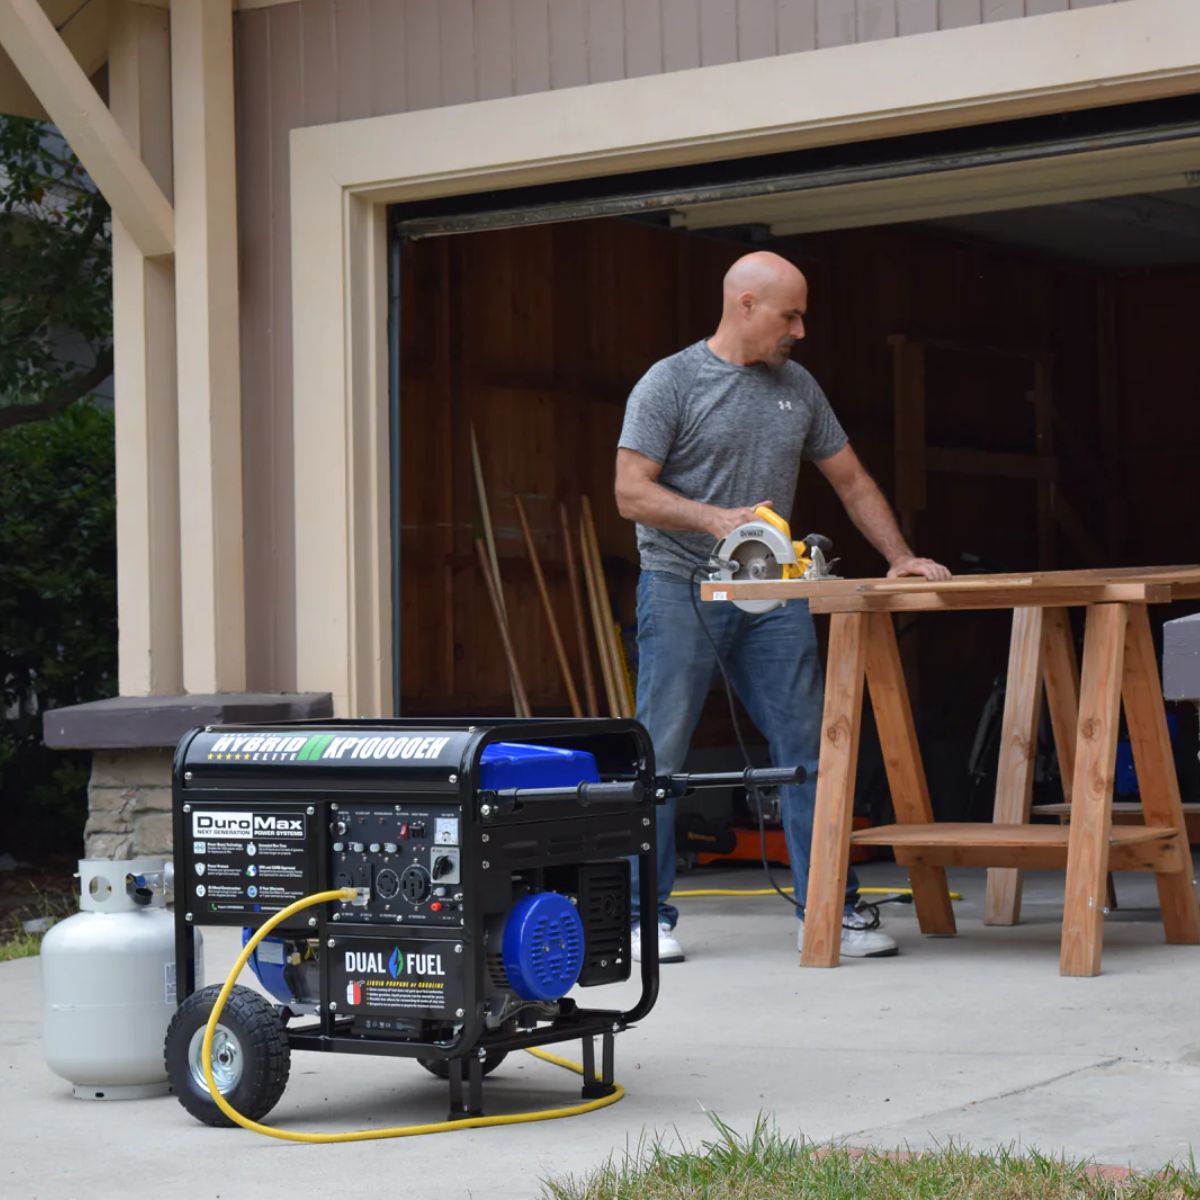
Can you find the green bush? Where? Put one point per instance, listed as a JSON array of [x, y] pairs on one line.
[[58, 614]]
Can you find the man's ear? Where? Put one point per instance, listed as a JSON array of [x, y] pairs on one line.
[[746, 300]]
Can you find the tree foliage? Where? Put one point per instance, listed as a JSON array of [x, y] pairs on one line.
[[58, 612], [56, 273]]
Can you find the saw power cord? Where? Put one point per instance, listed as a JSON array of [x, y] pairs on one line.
[[892, 895], [367, 1135]]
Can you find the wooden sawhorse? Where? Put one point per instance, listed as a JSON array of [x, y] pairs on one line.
[[1119, 663]]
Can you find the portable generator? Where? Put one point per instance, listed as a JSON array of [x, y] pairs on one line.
[[490, 868], [492, 859]]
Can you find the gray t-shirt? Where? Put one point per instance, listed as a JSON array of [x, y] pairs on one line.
[[727, 435]]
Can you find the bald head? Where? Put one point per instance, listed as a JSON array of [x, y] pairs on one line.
[[761, 273], [765, 298]]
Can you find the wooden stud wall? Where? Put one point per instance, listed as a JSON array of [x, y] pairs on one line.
[[537, 335]]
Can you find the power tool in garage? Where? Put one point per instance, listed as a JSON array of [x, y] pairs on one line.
[[479, 872], [756, 550], [764, 550]]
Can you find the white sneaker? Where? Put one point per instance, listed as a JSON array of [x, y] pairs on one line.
[[669, 949], [861, 937]]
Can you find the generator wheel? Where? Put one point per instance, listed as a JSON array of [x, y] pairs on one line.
[[441, 1066], [251, 1057]]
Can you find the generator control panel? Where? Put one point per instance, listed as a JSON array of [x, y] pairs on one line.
[[410, 856]]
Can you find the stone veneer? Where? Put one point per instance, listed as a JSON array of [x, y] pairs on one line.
[[129, 804], [133, 740]]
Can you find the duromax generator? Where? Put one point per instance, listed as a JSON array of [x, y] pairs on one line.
[[492, 862]]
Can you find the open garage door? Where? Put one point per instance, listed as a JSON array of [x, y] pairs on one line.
[[1099, 153], [999, 315]]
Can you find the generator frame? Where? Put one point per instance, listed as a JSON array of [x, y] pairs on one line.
[[499, 837]]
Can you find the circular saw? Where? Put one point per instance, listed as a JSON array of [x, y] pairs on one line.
[[763, 550]]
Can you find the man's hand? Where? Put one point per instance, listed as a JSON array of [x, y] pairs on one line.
[[925, 567], [725, 520]]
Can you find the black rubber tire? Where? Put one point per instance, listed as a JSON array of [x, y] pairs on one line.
[[258, 1035], [441, 1066]]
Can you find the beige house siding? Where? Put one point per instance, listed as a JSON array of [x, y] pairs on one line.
[[322, 61]]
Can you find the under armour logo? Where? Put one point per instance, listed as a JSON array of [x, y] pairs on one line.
[[785, 404]]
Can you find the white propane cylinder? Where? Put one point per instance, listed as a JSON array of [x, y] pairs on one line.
[[108, 985]]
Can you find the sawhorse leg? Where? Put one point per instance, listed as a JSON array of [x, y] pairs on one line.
[[1059, 669], [841, 725], [1018, 751], [905, 771], [1092, 789], [1158, 784]]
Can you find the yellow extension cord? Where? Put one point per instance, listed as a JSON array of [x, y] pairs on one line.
[[367, 1135], [862, 891]]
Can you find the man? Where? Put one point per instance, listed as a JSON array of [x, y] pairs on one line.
[[709, 434]]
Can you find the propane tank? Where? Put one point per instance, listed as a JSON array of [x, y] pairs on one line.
[[108, 982]]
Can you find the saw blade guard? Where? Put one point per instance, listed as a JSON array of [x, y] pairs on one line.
[[757, 550]]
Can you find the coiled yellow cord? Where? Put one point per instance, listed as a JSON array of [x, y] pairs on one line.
[[367, 1135]]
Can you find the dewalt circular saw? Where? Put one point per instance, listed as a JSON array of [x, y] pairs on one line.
[[763, 549]]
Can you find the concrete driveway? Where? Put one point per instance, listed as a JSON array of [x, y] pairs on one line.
[[975, 1038]]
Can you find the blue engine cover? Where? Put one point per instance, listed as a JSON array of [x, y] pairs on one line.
[[268, 962], [514, 764], [542, 946]]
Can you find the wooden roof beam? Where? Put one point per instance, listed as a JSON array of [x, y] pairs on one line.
[[64, 91]]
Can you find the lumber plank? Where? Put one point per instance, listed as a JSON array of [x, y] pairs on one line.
[[1158, 784], [1018, 750], [605, 632], [560, 651], [594, 603], [1126, 585], [1047, 486], [908, 366], [1157, 854], [1092, 789], [841, 724], [830, 596], [1128, 812], [905, 771], [589, 681], [984, 835], [520, 699]]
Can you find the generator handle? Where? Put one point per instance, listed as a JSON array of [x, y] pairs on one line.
[[678, 785], [621, 792]]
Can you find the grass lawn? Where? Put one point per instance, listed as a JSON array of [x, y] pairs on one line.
[[765, 1165], [44, 893]]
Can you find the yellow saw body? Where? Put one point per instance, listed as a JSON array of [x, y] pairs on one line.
[[763, 549]]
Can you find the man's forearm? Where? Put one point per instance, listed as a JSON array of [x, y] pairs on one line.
[[873, 518], [659, 507]]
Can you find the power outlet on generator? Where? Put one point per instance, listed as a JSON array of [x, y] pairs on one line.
[[444, 865]]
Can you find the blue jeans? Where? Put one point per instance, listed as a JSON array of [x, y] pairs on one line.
[[775, 669]]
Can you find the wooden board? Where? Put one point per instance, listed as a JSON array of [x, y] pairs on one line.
[[1028, 847], [1051, 589], [1127, 812], [986, 834]]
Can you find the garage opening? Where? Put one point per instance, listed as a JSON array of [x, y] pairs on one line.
[[1002, 317]]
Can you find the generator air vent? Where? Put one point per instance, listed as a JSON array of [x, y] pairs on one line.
[[604, 907]]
